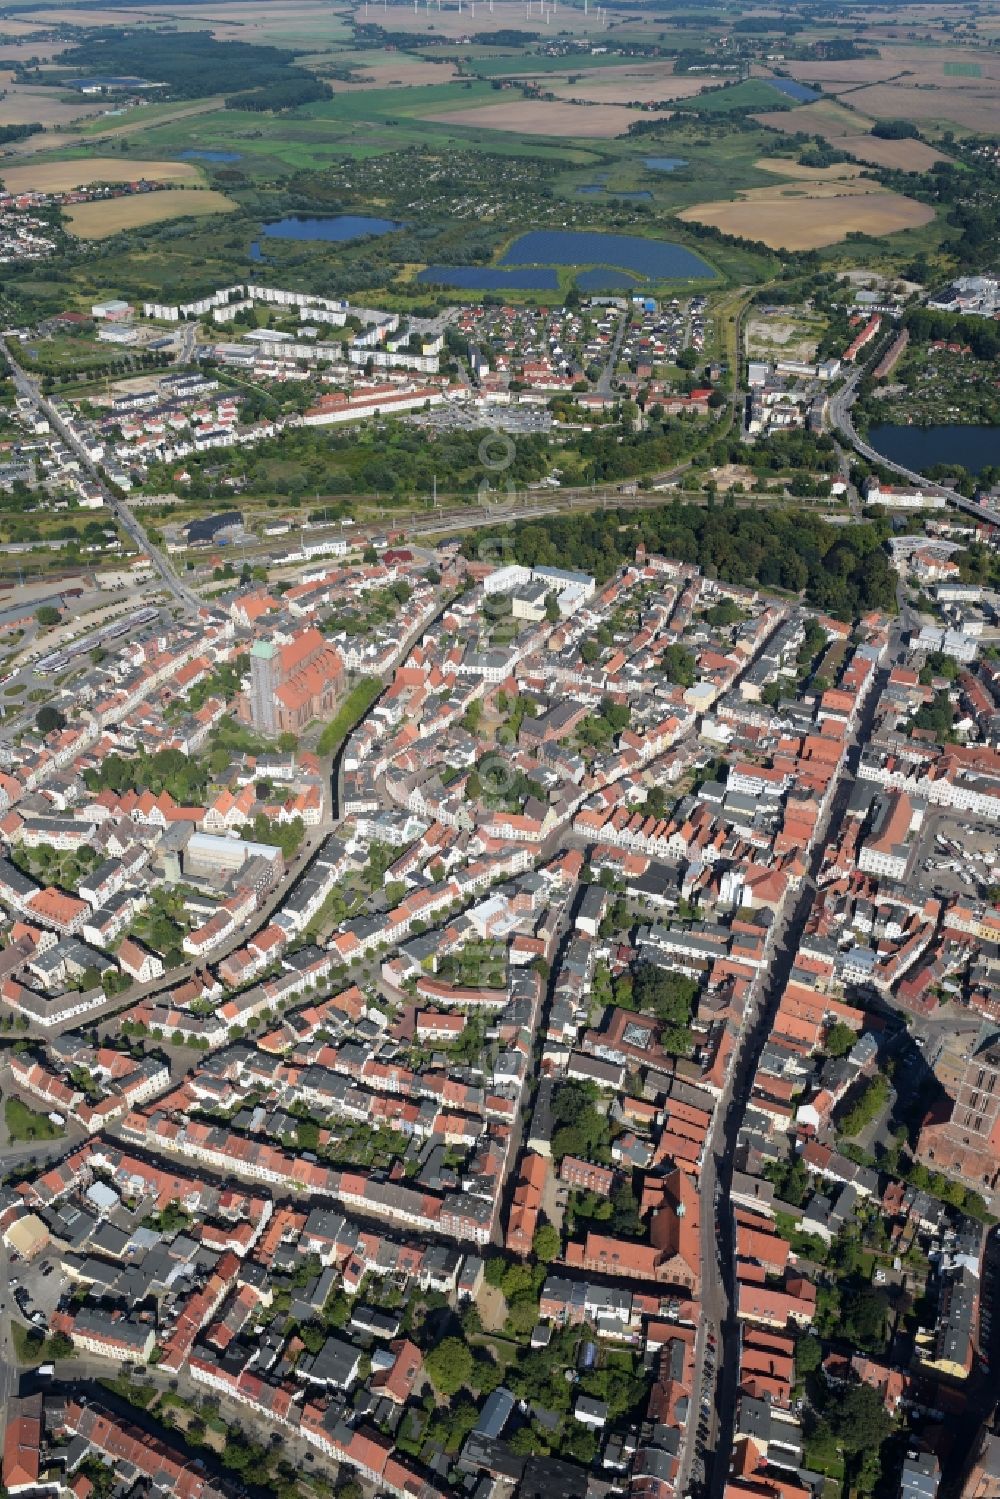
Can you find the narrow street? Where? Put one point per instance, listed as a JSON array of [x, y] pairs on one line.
[[718, 1283]]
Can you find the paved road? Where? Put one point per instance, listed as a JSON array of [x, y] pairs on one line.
[[30, 390], [840, 417], [720, 1310], [603, 386]]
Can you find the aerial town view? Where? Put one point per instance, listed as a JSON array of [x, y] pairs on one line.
[[500, 749]]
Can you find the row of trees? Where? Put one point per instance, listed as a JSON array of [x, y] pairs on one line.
[[843, 570]]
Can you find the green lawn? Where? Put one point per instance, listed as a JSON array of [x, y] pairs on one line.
[[23, 1124], [755, 93], [392, 103], [33, 1347], [352, 710]]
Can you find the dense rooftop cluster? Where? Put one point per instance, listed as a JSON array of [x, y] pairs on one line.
[[521, 1099]]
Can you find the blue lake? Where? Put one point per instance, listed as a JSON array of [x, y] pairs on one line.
[[606, 280], [105, 80], [341, 227], [793, 90], [920, 448], [639, 197], [488, 278], [647, 257], [211, 155], [664, 163]]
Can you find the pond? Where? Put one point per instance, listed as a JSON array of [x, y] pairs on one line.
[[601, 279], [647, 257], [664, 163], [221, 156], [104, 81], [339, 228], [920, 448], [793, 90], [488, 278]]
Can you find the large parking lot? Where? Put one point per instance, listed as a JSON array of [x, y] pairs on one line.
[[957, 856], [520, 420]]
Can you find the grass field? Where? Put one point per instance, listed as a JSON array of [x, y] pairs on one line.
[[24, 1124], [754, 93], [98, 220], [60, 176], [144, 116]]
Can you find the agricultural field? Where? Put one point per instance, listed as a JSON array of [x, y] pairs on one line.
[[61, 176], [545, 118], [100, 219], [398, 73], [470, 126], [782, 166], [974, 107], [805, 216], [900, 156], [23, 105], [637, 82]]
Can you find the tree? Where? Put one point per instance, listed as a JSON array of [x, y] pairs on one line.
[[50, 720], [808, 1354], [864, 1317], [552, 607], [656, 802], [546, 1243], [678, 665], [858, 1418], [449, 1366], [839, 1039], [48, 615], [496, 1269]]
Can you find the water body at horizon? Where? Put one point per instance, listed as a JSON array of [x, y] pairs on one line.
[[664, 163], [661, 259], [221, 156], [920, 448], [489, 278], [600, 279], [338, 228], [793, 90]]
